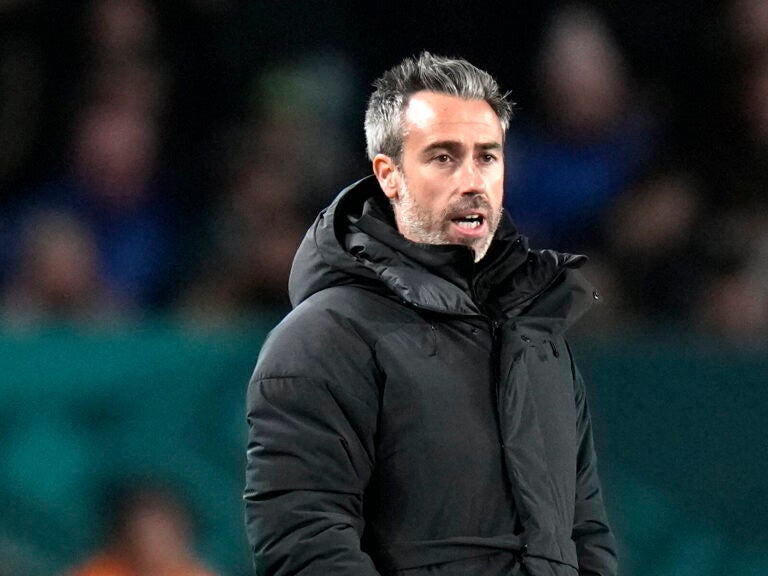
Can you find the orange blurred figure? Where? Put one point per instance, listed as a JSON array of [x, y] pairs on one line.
[[150, 536]]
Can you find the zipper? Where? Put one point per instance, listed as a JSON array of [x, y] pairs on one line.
[[494, 326]]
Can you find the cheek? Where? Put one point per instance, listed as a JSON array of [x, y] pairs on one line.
[[427, 193], [496, 189]]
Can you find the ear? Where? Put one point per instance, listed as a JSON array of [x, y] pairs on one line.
[[387, 174]]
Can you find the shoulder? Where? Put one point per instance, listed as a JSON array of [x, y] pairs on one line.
[[331, 333], [559, 291], [344, 310]]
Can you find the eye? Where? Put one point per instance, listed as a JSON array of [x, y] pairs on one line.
[[488, 158], [442, 158]]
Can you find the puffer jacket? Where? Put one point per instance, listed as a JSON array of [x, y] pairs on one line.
[[417, 413]]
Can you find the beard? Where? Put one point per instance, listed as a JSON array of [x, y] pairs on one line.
[[422, 226]]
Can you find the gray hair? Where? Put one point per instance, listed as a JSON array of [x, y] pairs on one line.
[[452, 76]]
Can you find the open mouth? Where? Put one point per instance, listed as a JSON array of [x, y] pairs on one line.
[[469, 222]]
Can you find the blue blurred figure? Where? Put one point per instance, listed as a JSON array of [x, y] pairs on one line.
[[114, 187], [566, 164]]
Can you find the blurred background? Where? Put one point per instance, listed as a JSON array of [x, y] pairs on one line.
[[160, 162]]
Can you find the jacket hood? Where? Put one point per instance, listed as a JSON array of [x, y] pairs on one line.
[[322, 260], [355, 241]]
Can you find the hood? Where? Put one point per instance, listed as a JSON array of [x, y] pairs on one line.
[[322, 260], [355, 241]]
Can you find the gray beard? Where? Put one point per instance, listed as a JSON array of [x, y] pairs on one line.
[[418, 224]]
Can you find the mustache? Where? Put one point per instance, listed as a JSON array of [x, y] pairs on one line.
[[464, 205]]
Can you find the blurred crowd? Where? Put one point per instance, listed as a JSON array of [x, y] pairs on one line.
[[144, 168], [166, 159], [127, 216]]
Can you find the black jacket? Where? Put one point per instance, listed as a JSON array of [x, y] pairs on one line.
[[418, 413]]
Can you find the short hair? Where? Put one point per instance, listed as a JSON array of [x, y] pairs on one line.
[[452, 76]]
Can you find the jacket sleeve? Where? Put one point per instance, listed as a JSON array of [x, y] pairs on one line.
[[595, 543], [311, 415]]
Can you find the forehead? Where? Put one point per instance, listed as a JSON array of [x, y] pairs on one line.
[[430, 113]]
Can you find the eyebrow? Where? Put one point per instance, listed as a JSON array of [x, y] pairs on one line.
[[453, 146]]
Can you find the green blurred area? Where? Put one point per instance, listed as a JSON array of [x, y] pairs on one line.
[[679, 423], [82, 409], [683, 446]]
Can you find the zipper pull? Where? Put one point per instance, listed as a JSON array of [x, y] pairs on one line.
[[494, 328]]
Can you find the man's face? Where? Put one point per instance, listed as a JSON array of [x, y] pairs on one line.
[[448, 188]]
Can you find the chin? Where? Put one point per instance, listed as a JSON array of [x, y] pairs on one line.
[[481, 249]]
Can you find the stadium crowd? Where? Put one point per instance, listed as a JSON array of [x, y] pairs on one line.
[[144, 170]]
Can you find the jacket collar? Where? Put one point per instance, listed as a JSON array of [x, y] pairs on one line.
[[355, 241], [442, 278]]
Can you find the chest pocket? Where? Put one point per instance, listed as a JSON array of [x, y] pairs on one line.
[[541, 364], [549, 364]]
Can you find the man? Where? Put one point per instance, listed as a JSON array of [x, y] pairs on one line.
[[418, 412]]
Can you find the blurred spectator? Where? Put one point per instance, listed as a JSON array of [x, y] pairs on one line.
[[734, 305], [732, 299], [651, 236], [253, 233], [735, 153], [110, 187], [310, 101], [149, 533], [591, 138], [285, 162], [748, 23], [122, 29], [133, 84], [57, 278], [119, 195]]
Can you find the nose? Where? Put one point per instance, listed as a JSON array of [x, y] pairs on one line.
[[471, 179]]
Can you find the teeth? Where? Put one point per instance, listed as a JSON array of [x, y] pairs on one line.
[[470, 221]]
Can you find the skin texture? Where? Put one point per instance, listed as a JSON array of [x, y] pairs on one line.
[[452, 167]]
